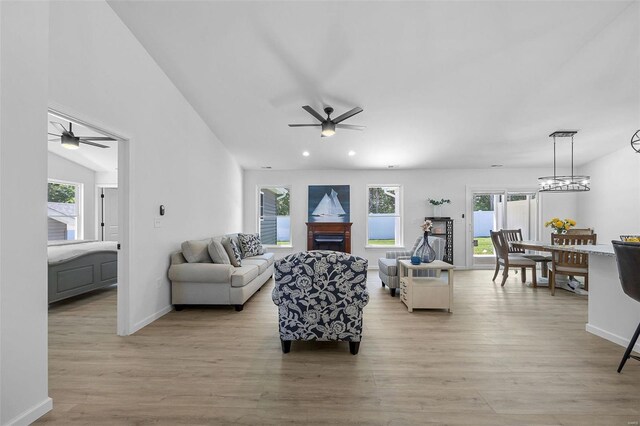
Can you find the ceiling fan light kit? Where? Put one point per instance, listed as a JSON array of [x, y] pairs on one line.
[[70, 142], [328, 125], [572, 183]]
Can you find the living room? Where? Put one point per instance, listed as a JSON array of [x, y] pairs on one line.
[[201, 94]]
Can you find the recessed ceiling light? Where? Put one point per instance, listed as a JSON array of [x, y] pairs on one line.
[[352, 153], [266, 167], [306, 153], [392, 166], [495, 166]]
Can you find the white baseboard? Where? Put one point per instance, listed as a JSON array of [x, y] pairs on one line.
[[624, 342], [32, 414], [151, 318]]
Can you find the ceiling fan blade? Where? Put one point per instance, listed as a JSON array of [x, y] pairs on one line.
[[53, 134], [93, 144], [305, 125], [347, 114], [59, 126], [97, 138], [350, 126], [54, 140], [314, 113]]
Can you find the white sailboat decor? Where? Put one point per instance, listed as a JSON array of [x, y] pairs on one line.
[[329, 206], [328, 203]]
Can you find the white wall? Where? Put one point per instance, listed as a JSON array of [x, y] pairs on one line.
[[107, 179], [24, 29], [612, 207], [175, 158], [64, 170], [417, 185]]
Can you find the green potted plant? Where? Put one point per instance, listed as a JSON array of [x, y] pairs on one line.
[[437, 205]]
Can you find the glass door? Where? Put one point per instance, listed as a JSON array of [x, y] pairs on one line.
[[488, 215]]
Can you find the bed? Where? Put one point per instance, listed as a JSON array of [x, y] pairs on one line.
[[77, 267]]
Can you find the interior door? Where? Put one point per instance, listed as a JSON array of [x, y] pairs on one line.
[[109, 220]]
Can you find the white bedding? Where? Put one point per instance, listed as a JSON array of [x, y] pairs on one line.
[[59, 252]]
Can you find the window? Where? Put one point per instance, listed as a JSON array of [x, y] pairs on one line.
[[274, 218], [63, 211], [384, 224]]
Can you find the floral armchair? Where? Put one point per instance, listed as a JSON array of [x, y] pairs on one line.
[[320, 296]]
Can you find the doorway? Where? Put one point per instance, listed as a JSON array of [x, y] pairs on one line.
[[114, 181], [492, 210]]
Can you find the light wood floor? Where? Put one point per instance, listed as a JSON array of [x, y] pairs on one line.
[[506, 356]]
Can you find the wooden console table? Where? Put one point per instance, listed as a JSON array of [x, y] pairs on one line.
[[318, 229]]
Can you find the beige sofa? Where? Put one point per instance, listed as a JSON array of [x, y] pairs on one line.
[[209, 283]]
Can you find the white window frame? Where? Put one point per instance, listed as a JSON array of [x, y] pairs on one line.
[[259, 216], [400, 237], [79, 203]]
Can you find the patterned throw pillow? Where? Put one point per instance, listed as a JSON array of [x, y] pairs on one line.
[[232, 250], [250, 244]]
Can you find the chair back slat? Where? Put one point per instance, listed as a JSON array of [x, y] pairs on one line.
[[499, 245], [571, 259], [511, 235]]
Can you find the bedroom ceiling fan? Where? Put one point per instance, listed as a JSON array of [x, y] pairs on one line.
[[328, 124], [71, 141]]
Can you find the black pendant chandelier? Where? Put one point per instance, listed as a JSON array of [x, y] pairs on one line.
[[635, 141], [555, 183]]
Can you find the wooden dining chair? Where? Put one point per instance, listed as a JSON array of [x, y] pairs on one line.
[[568, 262], [512, 235], [510, 260], [579, 231]]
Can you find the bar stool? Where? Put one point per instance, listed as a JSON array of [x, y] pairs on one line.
[[628, 259]]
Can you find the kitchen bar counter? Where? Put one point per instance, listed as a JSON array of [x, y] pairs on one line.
[[612, 314]]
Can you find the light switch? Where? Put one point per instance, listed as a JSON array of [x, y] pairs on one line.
[[157, 222]]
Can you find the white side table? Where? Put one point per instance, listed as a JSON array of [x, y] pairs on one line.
[[425, 292]]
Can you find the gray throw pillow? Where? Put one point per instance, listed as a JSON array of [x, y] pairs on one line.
[[250, 244], [196, 251], [218, 253], [232, 251]]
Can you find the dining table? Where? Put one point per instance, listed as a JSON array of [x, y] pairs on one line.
[[562, 281]]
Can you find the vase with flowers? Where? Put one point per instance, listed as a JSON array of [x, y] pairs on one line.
[[437, 205], [560, 226], [424, 250]]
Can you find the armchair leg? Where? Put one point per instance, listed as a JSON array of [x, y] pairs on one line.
[[178, 307], [354, 347], [239, 308], [286, 346], [627, 353], [534, 277], [552, 282], [382, 284], [523, 276], [393, 292]]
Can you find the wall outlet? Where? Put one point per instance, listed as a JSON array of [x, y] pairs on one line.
[[157, 222]]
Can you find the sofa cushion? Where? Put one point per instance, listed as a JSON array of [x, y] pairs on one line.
[[243, 275], [218, 253], [232, 251], [388, 266], [201, 273], [250, 245], [196, 251], [266, 256], [262, 264]]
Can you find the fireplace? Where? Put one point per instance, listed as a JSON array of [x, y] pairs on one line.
[[334, 236]]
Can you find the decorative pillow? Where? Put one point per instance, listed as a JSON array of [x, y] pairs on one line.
[[232, 251], [196, 251], [250, 244], [218, 253]]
